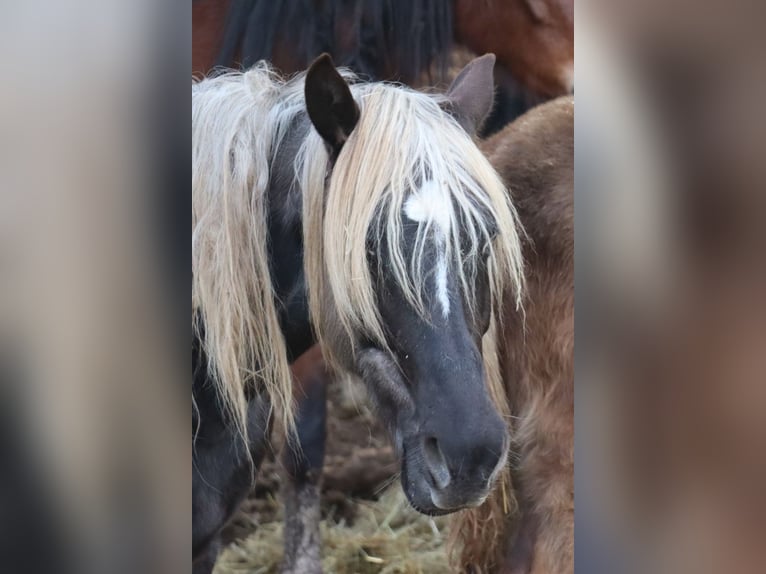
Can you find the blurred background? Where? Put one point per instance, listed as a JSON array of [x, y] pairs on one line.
[[670, 272], [671, 328]]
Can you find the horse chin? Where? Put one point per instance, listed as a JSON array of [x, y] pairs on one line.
[[418, 494], [424, 498], [394, 404]]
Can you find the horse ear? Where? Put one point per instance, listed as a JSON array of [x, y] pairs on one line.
[[472, 93], [329, 102]]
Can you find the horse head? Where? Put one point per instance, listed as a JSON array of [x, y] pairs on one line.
[[409, 247]]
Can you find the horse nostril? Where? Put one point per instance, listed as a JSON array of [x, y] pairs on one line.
[[436, 463]]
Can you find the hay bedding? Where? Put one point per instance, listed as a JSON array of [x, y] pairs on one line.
[[386, 537], [367, 526]]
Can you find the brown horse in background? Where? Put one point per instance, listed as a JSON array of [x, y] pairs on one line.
[[411, 41], [535, 157], [208, 23], [532, 39]]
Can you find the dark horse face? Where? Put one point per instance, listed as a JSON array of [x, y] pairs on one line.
[[428, 383], [429, 387]]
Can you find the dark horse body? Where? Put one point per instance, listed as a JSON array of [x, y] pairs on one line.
[[413, 390], [224, 466]]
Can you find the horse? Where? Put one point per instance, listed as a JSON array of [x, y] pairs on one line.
[[533, 40], [363, 216], [535, 157], [411, 41], [529, 528]]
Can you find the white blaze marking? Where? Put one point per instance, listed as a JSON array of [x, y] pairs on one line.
[[431, 204], [441, 284]]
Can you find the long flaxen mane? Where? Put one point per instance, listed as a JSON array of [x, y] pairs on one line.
[[238, 122]]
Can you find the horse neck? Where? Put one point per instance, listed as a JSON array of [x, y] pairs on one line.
[[286, 241]]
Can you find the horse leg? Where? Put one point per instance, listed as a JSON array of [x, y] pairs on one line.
[[543, 543], [520, 548], [302, 458], [223, 466], [205, 562]]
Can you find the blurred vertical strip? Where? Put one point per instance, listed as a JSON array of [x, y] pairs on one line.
[[670, 210], [94, 140]]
